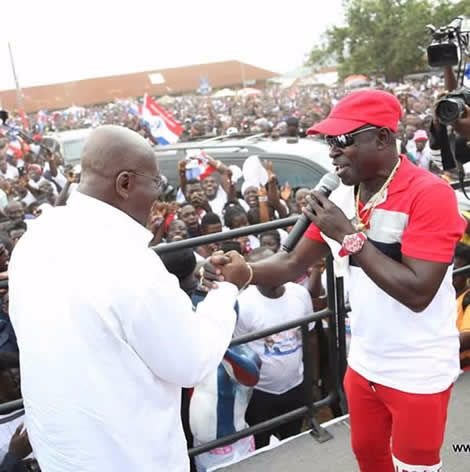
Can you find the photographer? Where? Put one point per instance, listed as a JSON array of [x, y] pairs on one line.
[[462, 125], [448, 49]]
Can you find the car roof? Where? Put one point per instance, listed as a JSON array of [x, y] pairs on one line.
[[70, 134]]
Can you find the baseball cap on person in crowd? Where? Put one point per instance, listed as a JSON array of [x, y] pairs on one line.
[[420, 135], [365, 107]]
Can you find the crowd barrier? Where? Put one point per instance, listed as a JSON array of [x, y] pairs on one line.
[[335, 314]]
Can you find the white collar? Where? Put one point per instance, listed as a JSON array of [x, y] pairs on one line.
[[109, 216]]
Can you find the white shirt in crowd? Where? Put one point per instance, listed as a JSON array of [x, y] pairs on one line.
[[411, 147], [423, 158], [11, 173], [220, 200], [104, 356], [3, 199], [280, 353], [8, 425]]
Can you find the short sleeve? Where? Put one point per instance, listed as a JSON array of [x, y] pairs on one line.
[[434, 226], [308, 305], [313, 233], [246, 321]]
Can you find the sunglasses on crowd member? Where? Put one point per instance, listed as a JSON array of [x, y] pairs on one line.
[[344, 140]]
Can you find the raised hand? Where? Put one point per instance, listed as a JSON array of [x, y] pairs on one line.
[[182, 167], [19, 443], [286, 191], [157, 216], [268, 165]]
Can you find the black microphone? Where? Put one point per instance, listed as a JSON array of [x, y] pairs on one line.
[[327, 184]]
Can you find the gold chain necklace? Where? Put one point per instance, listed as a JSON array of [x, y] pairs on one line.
[[375, 200]]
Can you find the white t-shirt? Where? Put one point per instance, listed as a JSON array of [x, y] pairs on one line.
[[218, 203], [423, 158], [11, 173], [281, 353], [8, 425], [3, 199]]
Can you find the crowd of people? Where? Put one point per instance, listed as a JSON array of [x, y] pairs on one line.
[[269, 111], [264, 378]]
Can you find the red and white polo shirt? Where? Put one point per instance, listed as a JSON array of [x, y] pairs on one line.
[[390, 344]]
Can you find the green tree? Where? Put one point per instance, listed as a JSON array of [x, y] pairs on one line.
[[384, 37]]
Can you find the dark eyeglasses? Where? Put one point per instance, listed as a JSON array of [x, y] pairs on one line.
[[158, 180], [344, 140]]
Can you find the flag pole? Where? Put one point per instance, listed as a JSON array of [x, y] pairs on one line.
[[19, 95]]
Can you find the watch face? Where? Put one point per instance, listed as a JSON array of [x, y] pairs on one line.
[[353, 243]]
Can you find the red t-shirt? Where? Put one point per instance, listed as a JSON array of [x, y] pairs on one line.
[[420, 214]]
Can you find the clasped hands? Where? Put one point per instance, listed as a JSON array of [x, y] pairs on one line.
[[232, 267], [228, 267]]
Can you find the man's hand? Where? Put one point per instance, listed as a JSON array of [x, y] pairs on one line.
[[268, 165], [462, 126], [236, 271], [19, 443], [286, 192], [71, 177], [157, 216], [182, 167], [211, 271], [327, 217], [229, 267]]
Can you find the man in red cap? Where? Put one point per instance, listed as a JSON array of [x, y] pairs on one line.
[[392, 227]]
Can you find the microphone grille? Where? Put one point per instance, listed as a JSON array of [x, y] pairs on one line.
[[329, 181]]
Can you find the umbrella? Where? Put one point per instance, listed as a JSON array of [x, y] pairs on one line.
[[354, 81], [249, 92], [224, 93]]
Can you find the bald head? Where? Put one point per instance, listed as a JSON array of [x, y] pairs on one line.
[[119, 168], [14, 211], [110, 149]]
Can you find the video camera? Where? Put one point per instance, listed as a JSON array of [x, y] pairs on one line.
[[449, 46]]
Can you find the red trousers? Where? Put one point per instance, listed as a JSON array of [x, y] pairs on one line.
[[386, 422]]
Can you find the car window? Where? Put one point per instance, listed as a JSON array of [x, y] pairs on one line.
[[73, 149], [299, 173]]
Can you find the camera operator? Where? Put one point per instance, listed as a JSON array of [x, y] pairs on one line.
[[461, 125], [450, 129]]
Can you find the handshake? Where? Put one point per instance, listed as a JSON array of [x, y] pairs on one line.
[[229, 267]]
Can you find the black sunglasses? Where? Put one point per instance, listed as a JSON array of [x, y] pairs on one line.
[[344, 140]]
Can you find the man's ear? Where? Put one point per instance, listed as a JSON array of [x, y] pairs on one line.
[[125, 182], [384, 138]]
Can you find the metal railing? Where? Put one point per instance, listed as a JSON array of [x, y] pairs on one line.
[[334, 313], [336, 343]]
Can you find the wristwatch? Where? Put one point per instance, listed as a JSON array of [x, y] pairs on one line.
[[352, 244]]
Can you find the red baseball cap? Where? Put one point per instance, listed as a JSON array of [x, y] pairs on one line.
[[365, 107]]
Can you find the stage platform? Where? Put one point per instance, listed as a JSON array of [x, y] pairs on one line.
[[304, 454]]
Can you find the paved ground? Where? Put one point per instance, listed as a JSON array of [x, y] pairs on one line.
[[305, 454]]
